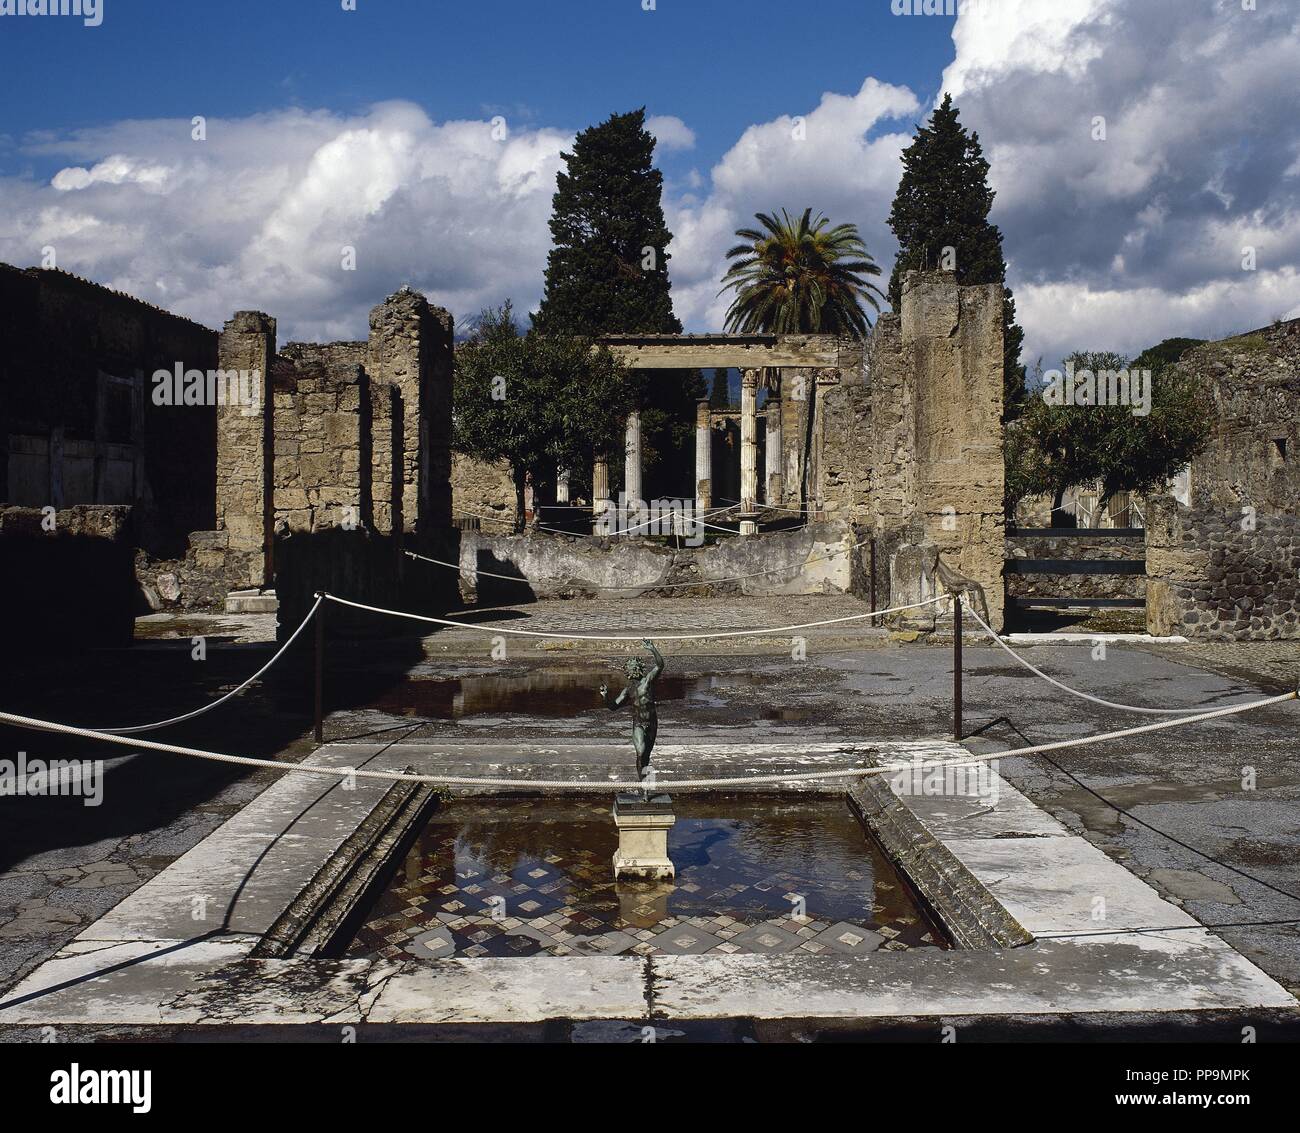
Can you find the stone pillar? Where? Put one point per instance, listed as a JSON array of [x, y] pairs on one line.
[[410, 348], [600, 501], [561, 485], [748, 449], [775, 479], [245, 452], [632, 460], [703, 457]]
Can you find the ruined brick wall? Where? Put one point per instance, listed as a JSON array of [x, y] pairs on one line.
[[482, 489], [322, 459], [935, 437], [1254, 453], [1210, 577], [840, 455], [78, 423], [410, 349]]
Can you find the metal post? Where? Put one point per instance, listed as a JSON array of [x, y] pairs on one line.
[[320, 675], [956, 667]]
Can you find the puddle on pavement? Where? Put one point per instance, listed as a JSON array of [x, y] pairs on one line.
[[520, 877], [548, 694]]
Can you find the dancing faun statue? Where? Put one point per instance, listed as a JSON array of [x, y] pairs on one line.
[[641, 691]]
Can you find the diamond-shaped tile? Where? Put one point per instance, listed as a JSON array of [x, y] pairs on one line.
[[684, 940], [851, 938], [767, 939], [433, 944]]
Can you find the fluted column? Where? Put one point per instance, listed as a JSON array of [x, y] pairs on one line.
[[748, 449], [600, 501], [632, 459], [703, 457], [775, 457]]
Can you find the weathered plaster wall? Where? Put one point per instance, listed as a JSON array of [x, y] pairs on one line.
[[818, 559]]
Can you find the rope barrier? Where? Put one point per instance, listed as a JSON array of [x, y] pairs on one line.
[[757, 632], [1066, 688], [657, 586], [623, 785], [233, 693]]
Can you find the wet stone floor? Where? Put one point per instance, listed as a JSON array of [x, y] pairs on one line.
[[755, 874]]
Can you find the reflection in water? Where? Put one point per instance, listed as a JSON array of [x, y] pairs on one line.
[[549, 694], [515, 877]]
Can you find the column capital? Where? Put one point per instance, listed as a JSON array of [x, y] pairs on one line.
[[749, 379]]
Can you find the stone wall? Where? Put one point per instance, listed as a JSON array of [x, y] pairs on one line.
[[479, 489], [1062, 585], [322, 466], [935, 439], [1209, 578], [819, 559], [69, 586], [78, 423], [1254, 453]]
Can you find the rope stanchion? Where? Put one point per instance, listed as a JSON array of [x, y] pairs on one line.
[[233, 692], [761, 631], [34, 724]]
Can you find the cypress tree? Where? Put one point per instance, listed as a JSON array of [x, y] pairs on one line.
[[943, 201], [607, 273], [608, 270]]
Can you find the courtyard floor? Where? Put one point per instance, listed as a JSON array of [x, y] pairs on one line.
[[63, 865]]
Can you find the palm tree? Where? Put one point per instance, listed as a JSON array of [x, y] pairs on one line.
[[800, 278]]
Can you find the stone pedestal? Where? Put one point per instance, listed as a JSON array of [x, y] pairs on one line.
[[643, 826]]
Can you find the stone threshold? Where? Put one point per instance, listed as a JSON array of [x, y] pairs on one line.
[[180, 949]]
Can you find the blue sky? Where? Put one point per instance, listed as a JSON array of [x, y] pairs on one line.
[[370, 129], [565, 63]]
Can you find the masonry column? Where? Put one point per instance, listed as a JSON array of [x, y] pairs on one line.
[[410, 348], [632, 460], [561, 485], [775, 456], [245, 447], [600, 501], [748, 449], [703, 457]]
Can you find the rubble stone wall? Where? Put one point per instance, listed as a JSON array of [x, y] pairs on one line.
[[1209, 577]]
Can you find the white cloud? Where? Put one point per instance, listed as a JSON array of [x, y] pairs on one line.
[[1116, 244], [671, 133], [257, 216]]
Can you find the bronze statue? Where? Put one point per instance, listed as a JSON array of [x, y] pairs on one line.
[[641, 688]]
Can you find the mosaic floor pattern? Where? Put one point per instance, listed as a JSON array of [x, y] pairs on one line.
[[755, 874]]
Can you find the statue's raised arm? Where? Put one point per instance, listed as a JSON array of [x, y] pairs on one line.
[[658, 658]]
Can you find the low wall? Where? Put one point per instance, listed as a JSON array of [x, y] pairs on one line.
[[70, 586], [815, 560], [363, 566], [1092, 546], [1209, 578]]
